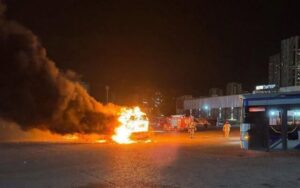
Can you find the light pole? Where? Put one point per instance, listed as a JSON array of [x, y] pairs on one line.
[[107, 90]]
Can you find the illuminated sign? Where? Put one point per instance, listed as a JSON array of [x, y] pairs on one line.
[[265, 87], [257, 109]]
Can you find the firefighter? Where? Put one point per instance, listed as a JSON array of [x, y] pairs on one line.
[[226, 129], [191, 127]]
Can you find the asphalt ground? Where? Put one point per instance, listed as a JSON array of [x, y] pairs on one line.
[[170, 160]]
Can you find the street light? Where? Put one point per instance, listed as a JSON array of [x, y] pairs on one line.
[[206, 108], [272, 113], [107, 90]]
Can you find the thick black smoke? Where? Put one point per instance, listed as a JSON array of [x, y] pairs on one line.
[[34, 93]]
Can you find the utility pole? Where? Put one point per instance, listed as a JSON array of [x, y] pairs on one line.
[[107, 90]]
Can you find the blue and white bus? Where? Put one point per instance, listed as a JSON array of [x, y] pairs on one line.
[[272, 121]]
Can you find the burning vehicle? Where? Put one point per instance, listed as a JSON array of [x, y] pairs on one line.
[[134, 126]]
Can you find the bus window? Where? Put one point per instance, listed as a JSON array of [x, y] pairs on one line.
[[274, 117], [293, 117]]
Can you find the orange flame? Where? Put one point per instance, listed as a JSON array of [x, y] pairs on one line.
[[131, 121], [101, 141], [70, 137]]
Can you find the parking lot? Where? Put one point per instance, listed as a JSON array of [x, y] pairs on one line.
[[170, 160]]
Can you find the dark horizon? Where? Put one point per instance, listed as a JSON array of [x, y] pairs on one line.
[[177, 47]]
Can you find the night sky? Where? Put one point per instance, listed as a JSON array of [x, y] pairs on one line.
[[177, 47]]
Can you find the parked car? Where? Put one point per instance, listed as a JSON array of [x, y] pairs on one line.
[[201, 123]]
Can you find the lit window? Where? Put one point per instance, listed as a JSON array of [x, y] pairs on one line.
[[274, 117]]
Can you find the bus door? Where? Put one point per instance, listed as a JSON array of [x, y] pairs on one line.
[[293, 124], [256, 117], [275, 128], [284, 128]]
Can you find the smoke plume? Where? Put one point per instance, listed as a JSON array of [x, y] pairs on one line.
[[34, 93]]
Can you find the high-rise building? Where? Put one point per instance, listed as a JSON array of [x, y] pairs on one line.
[[213, 92], [233, 88], [290, 62], [274, 69]]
